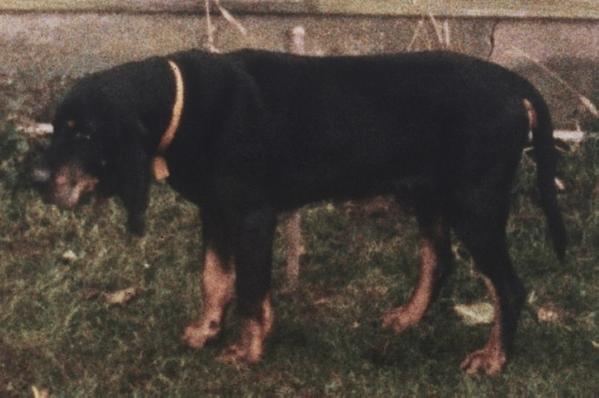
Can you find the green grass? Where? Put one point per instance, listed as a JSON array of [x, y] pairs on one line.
[[55, 334]]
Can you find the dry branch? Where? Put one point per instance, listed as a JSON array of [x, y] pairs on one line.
[[297, 43], [210, 28], [437, 27], [230, 18], [416, 34]]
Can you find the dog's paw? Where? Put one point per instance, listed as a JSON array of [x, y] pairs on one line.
[[249, 346], [239, 355], [398, 319], [197, 335], [487, 360]]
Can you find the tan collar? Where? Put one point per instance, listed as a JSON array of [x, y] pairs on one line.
[[159, 166]]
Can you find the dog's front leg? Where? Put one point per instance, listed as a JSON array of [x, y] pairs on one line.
[[253, 254], [218, 278], [218, 288]]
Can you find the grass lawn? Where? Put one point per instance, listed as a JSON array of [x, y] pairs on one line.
[[58, 333]]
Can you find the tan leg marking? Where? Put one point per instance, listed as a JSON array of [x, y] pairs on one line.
[[250, 345], [491, 358], [69, 184], [218, 289], [531, 113], [294, 246], [401, 318]]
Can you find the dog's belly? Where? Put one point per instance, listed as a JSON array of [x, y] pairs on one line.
[[295, 193]]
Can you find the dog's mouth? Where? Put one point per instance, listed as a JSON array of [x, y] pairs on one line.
[[69, 184]]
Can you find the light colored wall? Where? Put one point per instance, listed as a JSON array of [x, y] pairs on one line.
[[38, 46]]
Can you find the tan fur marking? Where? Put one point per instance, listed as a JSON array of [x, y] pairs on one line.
[[62, 177], [491, 358], [250, 346], [71, 124], [69, 184], [411, 313], [218, 289], [160, 168], [531, 113], [268, 315]]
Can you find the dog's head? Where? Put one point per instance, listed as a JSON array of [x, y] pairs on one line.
[[96, 148], [76, 159]]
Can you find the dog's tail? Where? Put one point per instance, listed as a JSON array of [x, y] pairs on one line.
[[546, 159]]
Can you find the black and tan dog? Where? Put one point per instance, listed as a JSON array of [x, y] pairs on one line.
[[249, 134]]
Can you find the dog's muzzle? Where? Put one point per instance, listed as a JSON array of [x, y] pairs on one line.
[[69, 184]]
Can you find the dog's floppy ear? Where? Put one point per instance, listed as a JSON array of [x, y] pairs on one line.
[[133, 175]]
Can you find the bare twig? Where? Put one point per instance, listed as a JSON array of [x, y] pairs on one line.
[[293, 229], [416, 34], [442, 32], [230, 18], [438, 28], [297, 43], [492, 39], [447, 34], [210, 28]]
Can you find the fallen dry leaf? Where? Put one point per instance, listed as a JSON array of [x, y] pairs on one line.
[[595, 344], [91, 293], [551, 314], [532, 297], [39, 393], [120, 296], [476, 313], [323, 300], [69, 256]]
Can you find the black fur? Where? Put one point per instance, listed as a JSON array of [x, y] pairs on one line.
[[263, 132]]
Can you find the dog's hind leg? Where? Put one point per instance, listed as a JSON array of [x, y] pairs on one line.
[[253, 254], [435, 263], [484, 236]]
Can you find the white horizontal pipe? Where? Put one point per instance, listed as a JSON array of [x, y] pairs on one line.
[[46, 128]]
